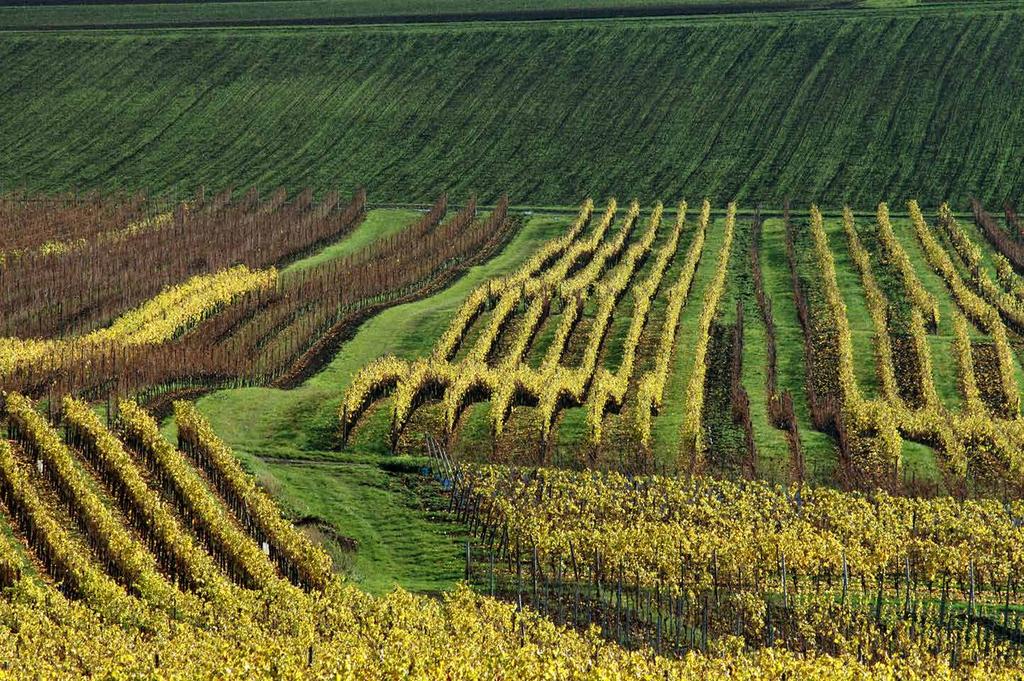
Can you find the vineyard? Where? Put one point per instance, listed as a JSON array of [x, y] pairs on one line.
[[226, 324], [650, 440], [527, 339], [149, 557], [863, 351]]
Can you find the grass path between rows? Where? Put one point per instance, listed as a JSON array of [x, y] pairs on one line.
[[819, 449], [289, 438], [379, 224], [665, 428], [773, 456]]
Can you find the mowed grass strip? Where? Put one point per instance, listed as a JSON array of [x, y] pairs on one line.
[[862, 331], [773, 455], [819, 449], [667, 425]]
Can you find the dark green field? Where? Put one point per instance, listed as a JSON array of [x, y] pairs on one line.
[[832, 107]]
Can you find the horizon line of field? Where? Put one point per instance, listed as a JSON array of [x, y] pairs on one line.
[[668, 14]]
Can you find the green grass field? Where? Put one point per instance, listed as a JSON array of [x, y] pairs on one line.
[[828, 106]]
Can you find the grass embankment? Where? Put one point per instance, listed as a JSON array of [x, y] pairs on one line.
[[811, 106]]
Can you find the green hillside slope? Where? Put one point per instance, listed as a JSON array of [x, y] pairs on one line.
[[831, 108]]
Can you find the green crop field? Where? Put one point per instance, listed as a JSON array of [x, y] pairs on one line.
[[529, 339], [829, 108]]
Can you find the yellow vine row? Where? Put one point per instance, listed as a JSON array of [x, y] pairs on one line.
[[693, 440], [870, 426], [127, 561], [65, 561], [142, 505], [972, 305], [262, 516], [237, 551]]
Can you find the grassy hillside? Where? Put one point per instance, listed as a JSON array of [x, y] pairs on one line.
[[828, 107]]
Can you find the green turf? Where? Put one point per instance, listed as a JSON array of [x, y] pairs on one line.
[[862, 330], [26, 565], [385, 506], [288, 422], [378, 224], [399, 541], [773, 456], [920, 463], [829, 107], [667, 425]]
